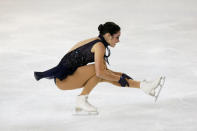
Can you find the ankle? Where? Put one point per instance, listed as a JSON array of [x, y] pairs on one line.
[[134, 84]]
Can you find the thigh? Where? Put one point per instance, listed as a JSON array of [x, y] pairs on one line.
[[78, 78]]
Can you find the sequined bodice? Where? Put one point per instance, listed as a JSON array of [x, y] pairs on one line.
[[79, 56]]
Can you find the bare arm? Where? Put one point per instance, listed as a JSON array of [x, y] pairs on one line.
[[117, 73], [100, 65]]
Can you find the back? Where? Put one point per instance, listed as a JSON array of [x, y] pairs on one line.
[[81, 43], [80, 54]]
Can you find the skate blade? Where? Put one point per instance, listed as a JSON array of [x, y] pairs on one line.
[[85, 113], [159, 82], [152, 92], [160, 88], [80, 112]]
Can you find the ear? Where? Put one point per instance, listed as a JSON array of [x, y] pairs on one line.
[[108, 35]]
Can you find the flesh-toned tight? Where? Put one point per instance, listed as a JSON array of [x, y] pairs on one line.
[[85, 77]]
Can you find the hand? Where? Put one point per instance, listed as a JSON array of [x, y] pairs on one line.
[[123, 82], [126, 76]]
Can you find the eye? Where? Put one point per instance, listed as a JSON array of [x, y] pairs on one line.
[[117, 37]]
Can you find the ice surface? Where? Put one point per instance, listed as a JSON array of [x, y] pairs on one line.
[[158, 37]]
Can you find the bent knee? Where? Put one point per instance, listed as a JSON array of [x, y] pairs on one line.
[[99, 79]]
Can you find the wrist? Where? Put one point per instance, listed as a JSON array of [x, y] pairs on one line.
[[119, 77], [126, 76], [123, 82]]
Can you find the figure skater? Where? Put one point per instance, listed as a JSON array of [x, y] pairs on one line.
[[75, 69]]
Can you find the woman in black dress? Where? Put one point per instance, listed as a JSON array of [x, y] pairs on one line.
[[75, 71]]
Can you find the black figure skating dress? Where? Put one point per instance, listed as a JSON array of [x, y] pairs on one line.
[[71, 61]]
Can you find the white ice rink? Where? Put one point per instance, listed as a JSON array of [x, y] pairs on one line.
[[158, 37]]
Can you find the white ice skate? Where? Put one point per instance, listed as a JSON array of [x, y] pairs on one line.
[[83, 107], [160, 88], [150, 87]]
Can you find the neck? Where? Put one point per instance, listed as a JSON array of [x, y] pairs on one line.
[[104, 41]]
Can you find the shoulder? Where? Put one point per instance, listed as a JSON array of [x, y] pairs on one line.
[[98, 47]]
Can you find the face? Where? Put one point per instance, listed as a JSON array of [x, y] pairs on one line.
[[113, 39]]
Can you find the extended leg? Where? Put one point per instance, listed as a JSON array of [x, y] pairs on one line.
[[85, 76], [94, 80], [132, 83]]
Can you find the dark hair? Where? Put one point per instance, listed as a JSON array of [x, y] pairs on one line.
[[108, 27]]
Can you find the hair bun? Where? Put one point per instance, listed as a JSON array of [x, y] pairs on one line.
[[100, 28]]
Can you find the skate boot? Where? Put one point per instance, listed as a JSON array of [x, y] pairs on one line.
[[149, 87], [83, 107]]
